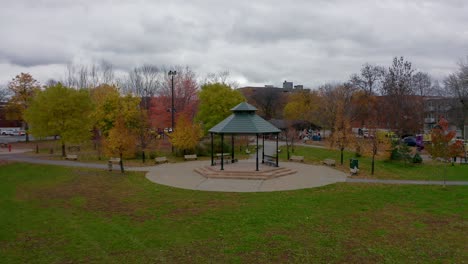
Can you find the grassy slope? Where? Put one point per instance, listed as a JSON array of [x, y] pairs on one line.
[[54, 214], [384, 169]]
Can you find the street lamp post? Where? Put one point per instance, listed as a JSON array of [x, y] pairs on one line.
[[172, 74]]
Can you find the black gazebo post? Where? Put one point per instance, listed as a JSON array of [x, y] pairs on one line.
[[277, 153], [232, 148], [257, 155], [263, 148], [212, 147], [222, 151]]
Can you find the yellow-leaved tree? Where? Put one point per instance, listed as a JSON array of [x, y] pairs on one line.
[[120, 142], [186, 134]]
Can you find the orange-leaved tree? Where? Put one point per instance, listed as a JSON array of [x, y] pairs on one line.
[[342, 135], [120, 141], [186, 134], [442, 145]]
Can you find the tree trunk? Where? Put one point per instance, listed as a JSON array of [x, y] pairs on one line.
[[26, 127], [63, 150], [37, 149], [372, 170], [143, 158], [121, 163], [342, 155]]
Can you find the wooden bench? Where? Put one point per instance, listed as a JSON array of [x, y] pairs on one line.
[[297, 158], [114, 160], [158, 160], [190, 157], [329, 162], [71, 157]]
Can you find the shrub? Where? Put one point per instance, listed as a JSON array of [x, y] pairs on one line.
[[417, 158]]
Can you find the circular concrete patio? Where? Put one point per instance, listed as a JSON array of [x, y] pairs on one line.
[[182, 175]]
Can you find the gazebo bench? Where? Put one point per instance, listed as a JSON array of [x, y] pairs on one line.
[[270, 160], [190, 157], [297, 158], [158, 160], [329, 162]]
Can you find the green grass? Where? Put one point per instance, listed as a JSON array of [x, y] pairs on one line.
[[52, 214], [385, 169]]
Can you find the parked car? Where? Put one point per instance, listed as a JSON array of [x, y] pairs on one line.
[[410, 141], [9, 132], [18, 133]]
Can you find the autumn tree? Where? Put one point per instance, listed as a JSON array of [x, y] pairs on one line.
[[62, 111], [120, 141], [342, 135], [109, 105], [23, 88], [186, 134], [303, 106], [216, 102], [378, 142], [334, 97], [404, 109], [185, 98], [442, 145]]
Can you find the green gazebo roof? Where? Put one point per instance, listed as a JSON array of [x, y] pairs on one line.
[[244, 120]]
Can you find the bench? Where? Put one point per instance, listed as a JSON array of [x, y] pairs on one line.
[[297, 158], [114, 160], [158, 160], [190, 157], [270, 160], [71, 157], [329, 162]]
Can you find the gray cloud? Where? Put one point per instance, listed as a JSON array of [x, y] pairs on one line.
[[309, 42]]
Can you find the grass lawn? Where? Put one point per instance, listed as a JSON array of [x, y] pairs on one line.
[[384, 169], [52, 214]]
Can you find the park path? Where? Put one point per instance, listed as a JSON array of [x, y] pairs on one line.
[[181, 175]]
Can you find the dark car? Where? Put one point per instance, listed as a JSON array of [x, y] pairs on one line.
[[410, 141]]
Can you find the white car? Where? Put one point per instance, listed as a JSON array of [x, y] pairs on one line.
[[8, 132]]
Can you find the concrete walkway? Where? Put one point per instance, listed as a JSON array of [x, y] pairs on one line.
[[406, 182], [182, 175]]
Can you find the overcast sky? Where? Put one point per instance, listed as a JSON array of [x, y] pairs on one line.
[[259, 42]]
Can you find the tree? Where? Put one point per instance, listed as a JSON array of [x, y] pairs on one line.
[[303, 106], [216, 102], [185, 98], [23, 88], [120, 141], [457, 84], [186, 134], [421, 83], [145, 82], [109, 105], [334, 97], [442, 145], [342, 136], [370, 78], [4, 94], [378, 142], [269, 101], [62, 111], [403, 108]]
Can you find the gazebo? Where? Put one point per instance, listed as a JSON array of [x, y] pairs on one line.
[[243, 121]]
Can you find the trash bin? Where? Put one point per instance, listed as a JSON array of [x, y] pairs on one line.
[[353, 166]]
